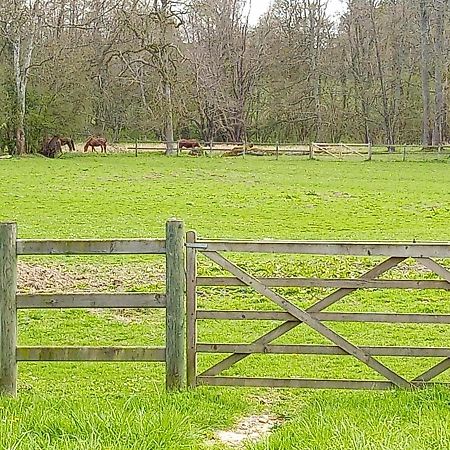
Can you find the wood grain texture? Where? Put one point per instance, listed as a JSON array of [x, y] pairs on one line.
[[91, 300], [91, 247], [8, 311], [175, 309], [191, 310], [104, 354]]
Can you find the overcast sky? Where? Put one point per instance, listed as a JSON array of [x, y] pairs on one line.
[[259, 7]]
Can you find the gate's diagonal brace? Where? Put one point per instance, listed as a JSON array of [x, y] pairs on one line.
[[288, 326], [303, 316], [444, 365], [370, 275], [434, 371], [236, 357], [435, 267]]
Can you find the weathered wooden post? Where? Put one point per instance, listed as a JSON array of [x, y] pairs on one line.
[[311, 151], [404, 152], [175, 307], [191, 308], [8, 309], [278, 150], [135, 147]]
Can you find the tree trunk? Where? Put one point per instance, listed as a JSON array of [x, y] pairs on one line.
[[389, 132], [20, 82], [170, 147], [439, 67], [424, 67], [22, 54]]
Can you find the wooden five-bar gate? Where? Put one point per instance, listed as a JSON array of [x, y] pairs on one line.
[[316, 316], [182, 313]]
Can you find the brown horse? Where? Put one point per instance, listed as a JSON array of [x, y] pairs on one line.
[[188, 143], [62, 141], [96, 142], [69, 142], [51, 147]]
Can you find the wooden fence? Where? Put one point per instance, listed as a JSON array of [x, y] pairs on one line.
[[173, 354], [182, 349], [316, 316]]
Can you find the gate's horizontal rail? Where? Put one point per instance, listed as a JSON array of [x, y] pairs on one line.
[[309, 349], [92, 300], [304, 383], [61, 354], [91, 247], [294, 383], [329, 283], [399, 249], [327, 316]]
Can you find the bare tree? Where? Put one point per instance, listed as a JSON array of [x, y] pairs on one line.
[[440, 7], [18, 26], [425, 69], [228, 57], [153, 25]]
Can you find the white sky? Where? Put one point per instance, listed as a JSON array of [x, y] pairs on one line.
[[259, 7]]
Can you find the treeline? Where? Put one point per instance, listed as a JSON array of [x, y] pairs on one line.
[[171, 69]]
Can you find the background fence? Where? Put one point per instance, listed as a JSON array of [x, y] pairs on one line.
[[313, 150]]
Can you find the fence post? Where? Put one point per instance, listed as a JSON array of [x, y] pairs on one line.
[[311, 151], [175, 307], [8, 309], [136, 148], [191, 309], [404, 152], [369, 157], [278, 150]]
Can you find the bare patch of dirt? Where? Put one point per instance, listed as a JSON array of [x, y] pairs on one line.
[[249, 430], [37, 278], [59, 278], [34, 278]]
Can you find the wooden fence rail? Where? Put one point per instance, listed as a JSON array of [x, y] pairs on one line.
[[172, 301]]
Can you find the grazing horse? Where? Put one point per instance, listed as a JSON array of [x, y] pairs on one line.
[[51, 147], [188, 143], [69, 142], [96, 142]]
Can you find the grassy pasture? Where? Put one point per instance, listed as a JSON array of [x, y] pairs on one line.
[[123, 406]]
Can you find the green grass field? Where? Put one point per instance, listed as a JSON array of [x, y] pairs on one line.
[[124, 406]]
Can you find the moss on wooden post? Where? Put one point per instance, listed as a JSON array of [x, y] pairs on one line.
[[175, 314], [8, 309]]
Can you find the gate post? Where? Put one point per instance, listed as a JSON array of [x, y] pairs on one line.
[[175, 307], [191, 309], [8, 309]]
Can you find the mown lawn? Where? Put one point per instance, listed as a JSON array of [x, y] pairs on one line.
[[124, 406]]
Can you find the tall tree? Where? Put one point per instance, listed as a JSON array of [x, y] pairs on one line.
[[18, 26], [440, 7], [424, 14]]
